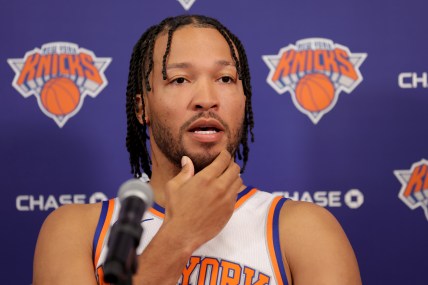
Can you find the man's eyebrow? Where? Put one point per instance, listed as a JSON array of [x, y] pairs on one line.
[[179, 65], [225, 63], [185, 65]]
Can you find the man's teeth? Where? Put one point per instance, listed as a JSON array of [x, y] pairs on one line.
[[205, 132]]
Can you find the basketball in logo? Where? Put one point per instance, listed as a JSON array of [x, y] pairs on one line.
[[315, 92], [60, 96]]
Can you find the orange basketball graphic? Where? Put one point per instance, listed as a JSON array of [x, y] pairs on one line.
[[315, 92], [60, 96]]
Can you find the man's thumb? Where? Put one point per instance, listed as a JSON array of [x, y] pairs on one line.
[[187, 168]]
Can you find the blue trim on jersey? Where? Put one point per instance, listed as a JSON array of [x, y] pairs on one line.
[[241, 194], [100, 225], [244, 192], [276, 241], [158, 208]]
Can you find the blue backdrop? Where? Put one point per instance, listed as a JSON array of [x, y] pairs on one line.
[[340, 105]]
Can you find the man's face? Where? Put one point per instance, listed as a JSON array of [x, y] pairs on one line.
[[199, 110]]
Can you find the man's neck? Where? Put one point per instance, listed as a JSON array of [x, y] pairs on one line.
[[161, 174]]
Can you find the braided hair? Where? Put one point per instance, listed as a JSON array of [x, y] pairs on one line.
[[141, 65]]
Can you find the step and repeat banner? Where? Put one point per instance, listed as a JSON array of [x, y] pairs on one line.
[[340, 102]]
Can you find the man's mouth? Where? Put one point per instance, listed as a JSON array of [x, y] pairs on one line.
[[205, 130], [206, 126]]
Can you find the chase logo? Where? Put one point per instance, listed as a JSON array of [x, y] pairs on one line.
[[29, 203], [414, 185], [60, 75], [187, 4], [314, 71]]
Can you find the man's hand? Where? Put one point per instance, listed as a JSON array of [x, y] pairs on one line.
[[199, 206]]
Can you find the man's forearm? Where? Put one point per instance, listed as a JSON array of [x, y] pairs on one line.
[[163, 260]]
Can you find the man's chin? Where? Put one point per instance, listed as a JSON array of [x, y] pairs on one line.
[[202, 160]]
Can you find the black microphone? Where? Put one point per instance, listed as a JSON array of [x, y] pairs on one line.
[[121, 262]]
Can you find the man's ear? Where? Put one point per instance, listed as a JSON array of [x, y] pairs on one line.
[[139, 110]]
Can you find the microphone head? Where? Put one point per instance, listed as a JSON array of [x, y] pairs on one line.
[[136, 188]]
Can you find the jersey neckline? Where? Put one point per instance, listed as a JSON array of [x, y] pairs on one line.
[[243, 196]]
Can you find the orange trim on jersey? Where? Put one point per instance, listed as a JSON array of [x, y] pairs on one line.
[[245, 198], [104, 230], [100, 273], [157, 213], [271, 248]]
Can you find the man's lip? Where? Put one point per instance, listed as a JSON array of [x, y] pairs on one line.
[[206, 123]]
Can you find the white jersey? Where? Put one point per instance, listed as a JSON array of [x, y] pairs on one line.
[[245, 252]]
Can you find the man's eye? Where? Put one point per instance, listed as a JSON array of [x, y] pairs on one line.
[[226, 79], [179, 80]]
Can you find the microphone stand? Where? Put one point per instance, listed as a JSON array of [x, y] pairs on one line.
[[121, 261]]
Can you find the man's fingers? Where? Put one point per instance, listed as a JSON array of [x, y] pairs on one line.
[[187, 172], [231, 173]]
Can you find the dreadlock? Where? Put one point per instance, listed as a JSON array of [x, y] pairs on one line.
[[141, 64]]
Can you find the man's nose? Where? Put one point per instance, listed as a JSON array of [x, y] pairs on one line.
[[205, 96]]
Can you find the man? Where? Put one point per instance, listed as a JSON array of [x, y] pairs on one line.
[[189, 87]]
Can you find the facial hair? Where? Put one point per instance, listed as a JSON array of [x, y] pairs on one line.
[[172, 147]]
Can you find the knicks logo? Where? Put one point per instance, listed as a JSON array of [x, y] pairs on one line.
[[60, 75], [414, 185], [314, 71]]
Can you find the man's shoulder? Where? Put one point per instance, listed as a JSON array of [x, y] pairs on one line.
[[72, 212], [306, 212], [310, 234], [301, 222], [65, 244], [73, 218]]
